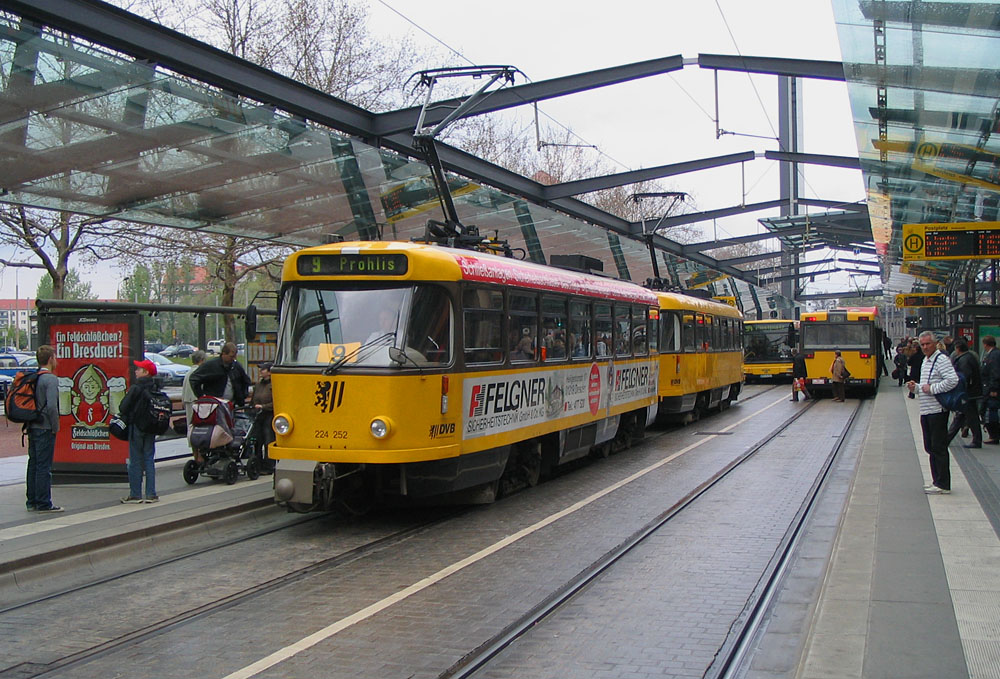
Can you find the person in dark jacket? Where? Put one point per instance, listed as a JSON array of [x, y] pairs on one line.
[[990, 368], [915, 360], [899, 360], [42, 434], [263, 402], [141, 446], [799, 376], [967, 363], [222, 377]]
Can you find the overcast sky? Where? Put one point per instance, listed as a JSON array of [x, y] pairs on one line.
[[653, 121]]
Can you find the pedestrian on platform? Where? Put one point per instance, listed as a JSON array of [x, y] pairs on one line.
[[914, 362], [838, 376], [263, 402], [188, 396], [990, 369], [222, 377], [936, 377], [899, 360], [42, 434], [967, 363], [141, 446], [799, 376]]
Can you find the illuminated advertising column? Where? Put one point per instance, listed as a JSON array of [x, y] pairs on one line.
[[95, 352]]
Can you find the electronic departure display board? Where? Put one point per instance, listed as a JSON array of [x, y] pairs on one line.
[[961, 240]]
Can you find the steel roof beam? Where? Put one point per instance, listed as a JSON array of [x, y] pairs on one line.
[[796, 68], [734, 261], [116, 28], [845, 293], [694, 217], [580, 186], [785, 267], [815, 159], [405, 119], [740, 240]]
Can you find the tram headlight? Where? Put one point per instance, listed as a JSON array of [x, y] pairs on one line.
[[282, 424], [380, 427]]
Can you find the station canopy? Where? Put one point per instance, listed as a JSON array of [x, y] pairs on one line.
[[924, 86], [88, 129]]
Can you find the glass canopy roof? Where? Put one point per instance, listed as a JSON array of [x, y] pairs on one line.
[[924, 85]]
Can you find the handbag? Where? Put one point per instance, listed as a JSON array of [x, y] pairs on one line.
[[118, 427], [895, 373], [955, 398]]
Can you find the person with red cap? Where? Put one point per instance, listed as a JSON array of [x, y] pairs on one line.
[[141, 446]]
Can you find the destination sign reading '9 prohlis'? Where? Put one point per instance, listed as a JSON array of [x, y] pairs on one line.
[[344, 264]]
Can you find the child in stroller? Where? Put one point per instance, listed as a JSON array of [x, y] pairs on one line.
[[222, 441]]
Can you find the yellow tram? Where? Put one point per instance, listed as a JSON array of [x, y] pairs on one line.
[[421, 371], [700, 356], [407, 369], [856, 331], [767, 347]]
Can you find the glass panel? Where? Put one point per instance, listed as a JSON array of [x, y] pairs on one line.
[[766, 342], [639, 331], [670, 336], [602, 328], [580, 330], [623, 331], [688, 338], [554, 328], [523, 326], [483, 325], [843, 336], [430, 331], [323, 326]]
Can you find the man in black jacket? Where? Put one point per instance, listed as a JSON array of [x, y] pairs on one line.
[[991, 388], [222, 377], [967, 363]]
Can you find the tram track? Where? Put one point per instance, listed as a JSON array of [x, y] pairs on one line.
[[31, 670], [734, 649]]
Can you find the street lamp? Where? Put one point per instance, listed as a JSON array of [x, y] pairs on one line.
[[121, 286]]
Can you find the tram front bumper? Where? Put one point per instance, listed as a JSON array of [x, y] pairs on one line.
[[293, 481]]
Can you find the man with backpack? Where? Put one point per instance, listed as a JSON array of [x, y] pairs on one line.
[[42, 433], [967, 363], [141, 445]]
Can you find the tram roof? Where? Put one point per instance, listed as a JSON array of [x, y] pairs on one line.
[[437, 263]]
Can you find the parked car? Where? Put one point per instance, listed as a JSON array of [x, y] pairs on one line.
[[12, 363], [153, 347], [171, 374], [215, 346], [5, 382], [178, 351]]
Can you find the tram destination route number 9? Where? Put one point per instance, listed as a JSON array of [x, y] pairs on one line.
[[961, 240]]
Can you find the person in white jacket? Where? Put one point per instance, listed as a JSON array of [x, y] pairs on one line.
[[937, 375]]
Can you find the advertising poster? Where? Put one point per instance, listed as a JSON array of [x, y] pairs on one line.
[[94, 352]]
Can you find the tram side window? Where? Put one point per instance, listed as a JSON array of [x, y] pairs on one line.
[[623, 330], [651, 331], [523, 327], [602, 328], [580, 330], [639, 343], [700, 333], [429, 330], [483, 325], [554, 327], [670, 336], [716, 332], [688, 339]]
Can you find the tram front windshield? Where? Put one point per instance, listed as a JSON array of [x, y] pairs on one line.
[[357, 326], [843, 336], [763, 343]]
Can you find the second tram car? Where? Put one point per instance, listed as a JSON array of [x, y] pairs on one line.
[[856, 331], [700, 353], [420, 371], [767, 348]]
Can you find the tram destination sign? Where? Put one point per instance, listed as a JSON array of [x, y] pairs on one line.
[[352, 264], [961, 240]]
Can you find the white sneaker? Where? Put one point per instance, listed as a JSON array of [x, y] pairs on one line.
[[934, 490]]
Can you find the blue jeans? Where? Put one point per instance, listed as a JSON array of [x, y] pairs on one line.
[[41, 448], [141, 448]]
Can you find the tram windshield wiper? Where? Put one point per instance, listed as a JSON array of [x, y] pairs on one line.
[[335, 363]]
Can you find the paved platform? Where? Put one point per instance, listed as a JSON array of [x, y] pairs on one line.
[[95, 517]]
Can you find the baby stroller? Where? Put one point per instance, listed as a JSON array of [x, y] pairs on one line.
[[222, 443]]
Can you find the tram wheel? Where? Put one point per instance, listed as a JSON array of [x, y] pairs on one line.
[[190, 472], [231, 473]]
